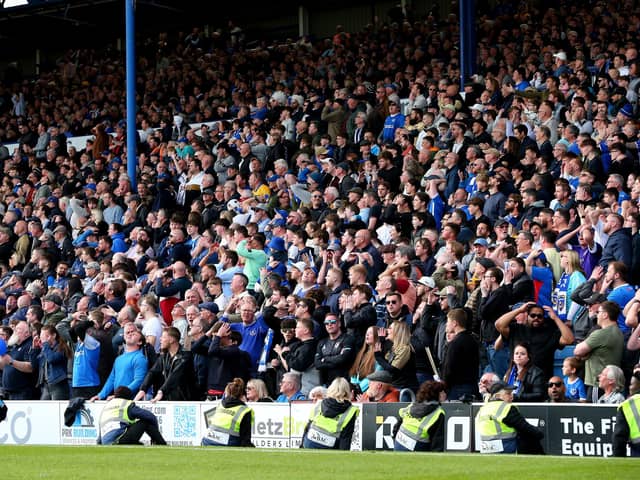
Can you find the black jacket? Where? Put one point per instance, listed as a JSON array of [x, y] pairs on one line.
[[358, 320], [225, 363], [533, 386], [491, 308], [462, 361], [334, 357], [175, 376]]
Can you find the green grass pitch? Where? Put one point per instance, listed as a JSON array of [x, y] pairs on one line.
[[178, 463]]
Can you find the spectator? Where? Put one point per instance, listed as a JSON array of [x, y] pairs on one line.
[[17, 365], [334, 354], [556, 390], [527, 379], [129, 368], [611, 382], [290, 389], [461, 362], [173, 371], [602, 347]]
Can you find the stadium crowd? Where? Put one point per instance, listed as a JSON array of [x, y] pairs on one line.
[[335, 207]]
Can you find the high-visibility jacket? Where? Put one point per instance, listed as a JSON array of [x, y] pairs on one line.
[[224, 428], [414, 429], [631, 410], [114, 414], [325, 431], [489, 421]]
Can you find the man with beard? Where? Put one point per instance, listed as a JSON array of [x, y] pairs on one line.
[[173, 371], [618, 246], [18, 377], [527, 323]]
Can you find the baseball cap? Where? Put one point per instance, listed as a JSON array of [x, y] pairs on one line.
[[427, 282]]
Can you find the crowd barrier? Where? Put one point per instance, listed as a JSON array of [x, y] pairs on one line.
[[570, 429]]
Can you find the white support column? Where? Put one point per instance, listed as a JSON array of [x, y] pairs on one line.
[[303, 21]]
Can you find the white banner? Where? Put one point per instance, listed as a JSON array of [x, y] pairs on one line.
[[277, 425], [31, 423]]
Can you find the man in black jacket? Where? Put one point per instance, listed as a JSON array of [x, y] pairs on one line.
[[462, 358], [494, 302], [335, 353], [173, 371], [226, 360], [359, 314]]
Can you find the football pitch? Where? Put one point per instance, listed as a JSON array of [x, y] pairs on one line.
[[177, 463]]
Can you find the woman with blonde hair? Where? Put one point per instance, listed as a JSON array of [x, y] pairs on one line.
[[365, 362], [230, 422], [572, 276], [397, 357], [257, 391], [332, 420]]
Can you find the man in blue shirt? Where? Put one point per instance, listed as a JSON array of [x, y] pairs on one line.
[[290, 389], [253, 329], [394, 121], [130, 367]]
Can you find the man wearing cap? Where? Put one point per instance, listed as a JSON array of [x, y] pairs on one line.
[[502, 428], [380, 389], [335, 353], [53, 314]]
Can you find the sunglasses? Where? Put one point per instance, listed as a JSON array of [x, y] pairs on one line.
[[536, 315], [330, 322], [391, 302], [554, 384], [286, 330]]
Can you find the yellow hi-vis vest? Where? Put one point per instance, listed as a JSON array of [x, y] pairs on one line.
[[114, 413], [326, 430], [414, 429], [631, 410], [489, 421], [225, 423]]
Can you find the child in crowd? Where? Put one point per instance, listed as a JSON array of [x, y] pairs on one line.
[[576, 391]]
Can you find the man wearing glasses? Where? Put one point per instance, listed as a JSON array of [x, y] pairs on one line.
[[556, 390], [527, 323], [335, 353], [396, 311]]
